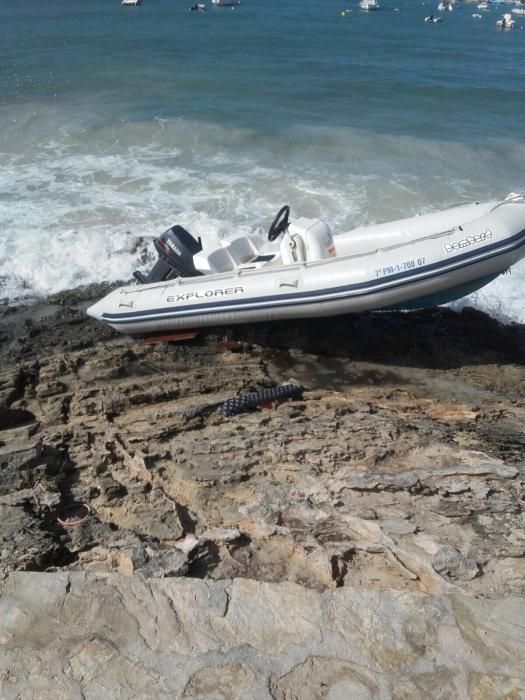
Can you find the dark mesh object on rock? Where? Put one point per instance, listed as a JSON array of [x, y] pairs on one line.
[[246, 402]]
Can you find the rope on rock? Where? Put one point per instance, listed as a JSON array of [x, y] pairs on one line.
[[246, 402]]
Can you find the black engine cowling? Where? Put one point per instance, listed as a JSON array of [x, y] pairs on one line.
[[176, 248]]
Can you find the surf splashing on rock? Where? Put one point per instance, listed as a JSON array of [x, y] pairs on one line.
[[81, 204]]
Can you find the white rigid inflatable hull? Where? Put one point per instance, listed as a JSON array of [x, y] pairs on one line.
[[410, 263]]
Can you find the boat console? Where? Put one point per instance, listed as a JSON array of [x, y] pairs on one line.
[[307, 240]]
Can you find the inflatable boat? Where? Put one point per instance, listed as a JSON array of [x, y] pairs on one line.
[[411, 263]]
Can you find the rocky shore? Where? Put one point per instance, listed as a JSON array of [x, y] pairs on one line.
[[366, 540]]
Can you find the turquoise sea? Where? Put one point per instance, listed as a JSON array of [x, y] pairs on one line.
[[118, 122]]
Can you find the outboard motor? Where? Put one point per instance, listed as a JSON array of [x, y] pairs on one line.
[[176, 248]]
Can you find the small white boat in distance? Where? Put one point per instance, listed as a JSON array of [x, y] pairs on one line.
[[226, 3], [445, 5], [131, 2], [520, 10], [484, 5], [369, 5], [411, 263], [506, 22]]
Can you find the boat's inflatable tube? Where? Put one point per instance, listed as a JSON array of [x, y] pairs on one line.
[[416, 262]]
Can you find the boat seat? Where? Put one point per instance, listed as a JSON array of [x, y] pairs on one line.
[[236, 254], [242, 250], [219, 260], [244, 253]]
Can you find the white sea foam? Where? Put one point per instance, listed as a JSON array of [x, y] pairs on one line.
[[74, 199]]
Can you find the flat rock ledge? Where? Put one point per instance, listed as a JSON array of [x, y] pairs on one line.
[[82, 635]]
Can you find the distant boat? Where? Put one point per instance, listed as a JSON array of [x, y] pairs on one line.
[[131, 2], [369, 5], [226, 3], [506, 22]]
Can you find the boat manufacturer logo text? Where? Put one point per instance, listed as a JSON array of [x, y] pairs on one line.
[[468, 241], [205, 294]]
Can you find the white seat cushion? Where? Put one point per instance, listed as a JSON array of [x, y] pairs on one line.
[[242, 250], [219, 260], [239, 253]]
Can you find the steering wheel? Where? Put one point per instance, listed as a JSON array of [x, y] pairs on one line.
[[280, 223]]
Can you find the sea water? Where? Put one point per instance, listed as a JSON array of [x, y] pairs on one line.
[[117, 122]]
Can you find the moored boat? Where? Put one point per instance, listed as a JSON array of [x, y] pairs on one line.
[[506, 21], [410, 263], [369, 5]]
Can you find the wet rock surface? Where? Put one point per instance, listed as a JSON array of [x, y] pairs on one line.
[[400, 472]]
